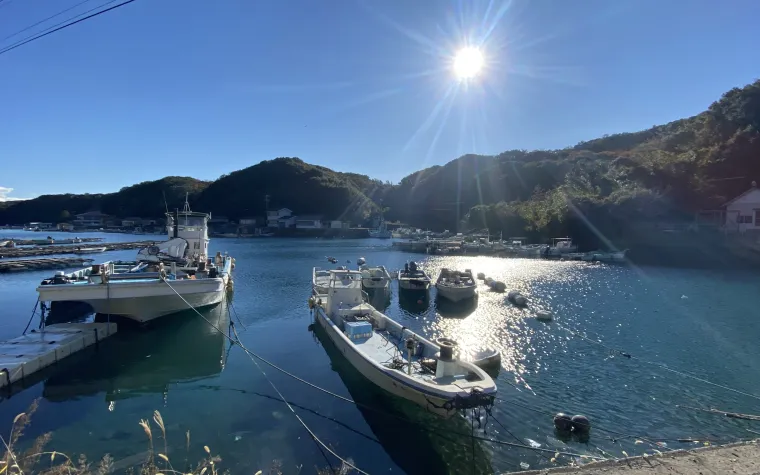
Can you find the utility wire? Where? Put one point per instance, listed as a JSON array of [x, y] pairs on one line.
[[46, 19], [41, 35]]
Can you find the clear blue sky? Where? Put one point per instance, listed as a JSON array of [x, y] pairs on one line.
[[202, 88]]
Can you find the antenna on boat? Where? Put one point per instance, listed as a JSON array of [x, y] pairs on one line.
[[166, 205], [186, 209]]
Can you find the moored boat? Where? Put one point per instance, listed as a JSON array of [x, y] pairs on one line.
[[89, 250], [429, 374], [411, 277], [456, 285], [375, 277], [166, 278]]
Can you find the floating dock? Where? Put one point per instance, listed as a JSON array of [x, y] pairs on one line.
[[49, 242], [69, 249], [27, 354], [19, 265]]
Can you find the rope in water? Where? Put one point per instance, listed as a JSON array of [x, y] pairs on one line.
[[660, 365], [343, 398], [251, 355]]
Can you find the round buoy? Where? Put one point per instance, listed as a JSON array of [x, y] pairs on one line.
[[419, 302], [563, 422], [544, 315], [481, 276], [580, 424]]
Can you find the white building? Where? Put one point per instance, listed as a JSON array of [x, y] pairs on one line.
[[309, 221], [338, 224], [91, 219], [282, 218], [743, 212]]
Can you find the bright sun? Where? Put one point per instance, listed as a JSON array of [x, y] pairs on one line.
[[467, 63]]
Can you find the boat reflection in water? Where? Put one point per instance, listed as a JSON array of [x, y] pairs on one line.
[[461, 309], [136, 361], [379, 298], [417, 441], [414, 302]]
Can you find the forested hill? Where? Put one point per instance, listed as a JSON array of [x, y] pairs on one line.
[[613, 182]]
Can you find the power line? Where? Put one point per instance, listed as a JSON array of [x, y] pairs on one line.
[[43, 21], [29, 40]]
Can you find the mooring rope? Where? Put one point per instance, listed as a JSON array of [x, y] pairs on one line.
[[250, 354], [343, 398]]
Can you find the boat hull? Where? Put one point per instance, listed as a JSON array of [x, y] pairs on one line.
[[456, 294], [375, 283], [140, 301], [413, 284], [380, 378]]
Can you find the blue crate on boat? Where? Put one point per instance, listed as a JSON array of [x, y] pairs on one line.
[[358, 330]]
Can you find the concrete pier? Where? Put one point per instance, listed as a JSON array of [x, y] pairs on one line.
[[25, 355], [741, 458]]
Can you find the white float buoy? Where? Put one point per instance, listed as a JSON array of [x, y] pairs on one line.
[[361, 261], [544, 316]]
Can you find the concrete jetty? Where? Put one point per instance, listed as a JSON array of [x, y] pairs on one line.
[[25, 355], [19, 265], [69, 249], [741, 458]]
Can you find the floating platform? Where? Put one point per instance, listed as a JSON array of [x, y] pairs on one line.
[[69, 249], [19, 265], [49, 242], [23, 356]]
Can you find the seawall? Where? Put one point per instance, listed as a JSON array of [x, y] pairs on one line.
[[741, 458]]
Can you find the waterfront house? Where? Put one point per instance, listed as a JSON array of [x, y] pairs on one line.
[[131, 222], [246, 226], [309, 221], [281, 218], [91, 219], [337, 224], [742, 214], [65, 227]]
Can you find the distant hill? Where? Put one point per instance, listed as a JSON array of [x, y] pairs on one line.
[[290, 183], [601, 187], [145, 199]]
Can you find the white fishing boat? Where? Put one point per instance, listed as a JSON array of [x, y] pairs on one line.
[[166, 278], [375, 277], [411, 277], [395, 358], [455, 285], [89, 250], [562, 246], [601, 256]]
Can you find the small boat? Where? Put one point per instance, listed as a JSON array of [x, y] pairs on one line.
[[89, 250], [332, 260], [486, 359], [381, 232], [456, 285], [361, 261], [166, 278], [413, 278], [429, 374], [375, 277], [495, 285]]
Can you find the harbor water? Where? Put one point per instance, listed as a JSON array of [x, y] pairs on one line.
[[682, 329]]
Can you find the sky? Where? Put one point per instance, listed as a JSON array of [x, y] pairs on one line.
[[203, 88]]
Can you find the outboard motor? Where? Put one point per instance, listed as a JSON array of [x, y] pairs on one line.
[[447, 358], [60, 278], [413, 267], [406, 268]]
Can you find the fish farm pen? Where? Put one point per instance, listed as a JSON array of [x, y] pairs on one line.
[[69, 249], [19, 265]]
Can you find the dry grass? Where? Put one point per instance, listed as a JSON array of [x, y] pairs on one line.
[[37, 461]]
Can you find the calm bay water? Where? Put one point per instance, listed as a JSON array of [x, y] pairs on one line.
[[701, 322]]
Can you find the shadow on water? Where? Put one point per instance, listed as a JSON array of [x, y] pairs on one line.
[[147, 359], [449, 309], [415, 302], [417, 441], [379, 298]]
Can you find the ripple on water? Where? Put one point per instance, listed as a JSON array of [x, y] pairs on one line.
[[696, 321]]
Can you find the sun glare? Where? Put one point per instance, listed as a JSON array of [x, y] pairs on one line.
[[467, 63]]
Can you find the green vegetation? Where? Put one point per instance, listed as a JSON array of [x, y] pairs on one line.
[[612, 183]]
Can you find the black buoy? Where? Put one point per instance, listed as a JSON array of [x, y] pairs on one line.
[[563, 422], [581, 424]]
